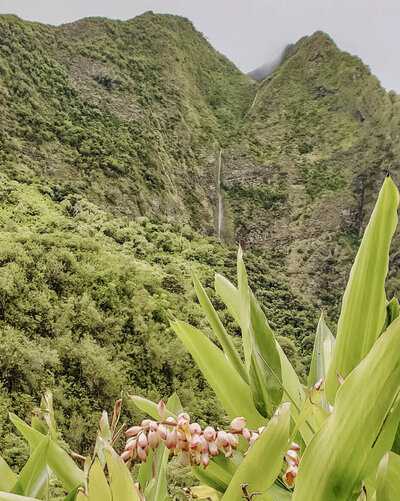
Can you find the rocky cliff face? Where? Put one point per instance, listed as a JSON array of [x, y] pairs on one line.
[[133, 114]]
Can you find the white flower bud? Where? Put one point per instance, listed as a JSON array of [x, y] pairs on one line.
[[195, 429], [238, 423], [171, 439], [195, 442], [153, 425], [204, 444], [222, 439], [162, 431], [161, 408], [210, 434], [205, 459], [170, 420], [126, 455], [253, 437], [292, 458], [295, 447], [134, 430], [213, 448], [246, 434], [130, 444], [142, 441], [183, 416], [154, 439], [141, 453], [145, 423], [233, 440]]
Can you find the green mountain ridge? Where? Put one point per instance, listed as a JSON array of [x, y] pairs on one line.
[[109, 145]]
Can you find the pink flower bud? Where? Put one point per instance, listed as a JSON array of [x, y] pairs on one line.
[[153, 425], [204, 444], [246, 434], [170, 420], [142, 441], [195, 429], [183, 416], [145, 423], [142, 453], [130, 444], [290, 476], [233, 440], [238, 423], [210, 434], [253, 437], [222, 439], [292, 458], [161, 408], [295, 447], [205, 459], [126, 455], [131, 432], [171, 439], [213, 448], [195, 442], [184, 458], [162, 431], [154, 439]]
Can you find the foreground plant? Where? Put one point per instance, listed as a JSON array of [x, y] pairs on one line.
[[345, 420]]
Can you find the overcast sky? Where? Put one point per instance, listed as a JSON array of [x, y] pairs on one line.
[[252, 32]]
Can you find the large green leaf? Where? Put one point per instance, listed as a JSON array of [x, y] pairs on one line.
[[339, 456], [7, 496], [388, 478], [99, 489], [322, 353], [264, 379], [364, 303], [58, 460], [223, 337], [7, 476], [233, 393], [263, 462], [121, 482], [35, 474]]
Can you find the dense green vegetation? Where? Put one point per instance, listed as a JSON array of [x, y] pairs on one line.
[[85, 300], [109, 140]]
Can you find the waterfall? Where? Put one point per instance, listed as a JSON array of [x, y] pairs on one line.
[[219, 195]]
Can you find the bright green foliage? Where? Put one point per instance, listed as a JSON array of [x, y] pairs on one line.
[[388, 478], [269, 450], [364, 303]]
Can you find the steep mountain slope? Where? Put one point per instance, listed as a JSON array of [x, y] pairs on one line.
[[315, 148], [127, 113]]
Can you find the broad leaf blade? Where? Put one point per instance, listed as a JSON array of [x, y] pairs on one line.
[[339, 456], [58, 460], [263, 463], [35, 473], [230, 389], [364, 303], [264, 379], [121, 482], [388, 478], [99, 489], [218, 328], [7, 476]]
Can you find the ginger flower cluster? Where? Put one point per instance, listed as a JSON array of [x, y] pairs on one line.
[[180, 436]]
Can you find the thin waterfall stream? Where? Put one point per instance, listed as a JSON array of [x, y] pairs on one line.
[[219, 195]]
